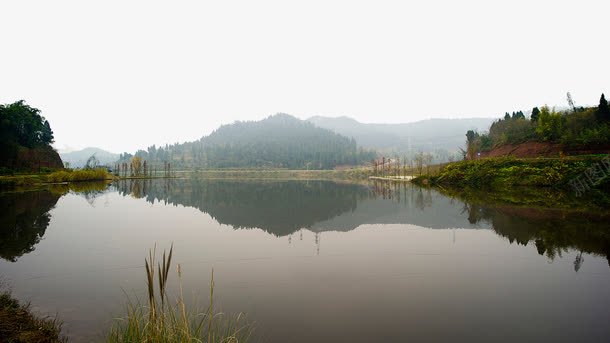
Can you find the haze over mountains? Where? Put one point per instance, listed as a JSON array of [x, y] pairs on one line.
[[319, 142], [426, 135], [77, 159], [278, 141]]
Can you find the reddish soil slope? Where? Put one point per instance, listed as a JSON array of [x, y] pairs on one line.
[[34, 159], [542, 149]]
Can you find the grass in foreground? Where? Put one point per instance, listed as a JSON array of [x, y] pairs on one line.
[[169, 320], [18, 324]]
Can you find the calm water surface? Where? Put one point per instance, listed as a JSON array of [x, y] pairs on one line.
[[315, 261]]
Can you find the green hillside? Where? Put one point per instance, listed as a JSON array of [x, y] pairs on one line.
[[573, 129], [279, 141]]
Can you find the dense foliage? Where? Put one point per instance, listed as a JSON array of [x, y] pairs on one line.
[[280, 141], [21, 126], [572, 127], [24, 125]]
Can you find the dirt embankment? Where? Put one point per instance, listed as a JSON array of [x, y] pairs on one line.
[[37, 158], [542, 149]]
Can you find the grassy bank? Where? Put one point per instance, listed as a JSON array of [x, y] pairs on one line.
[[18, 324], [66, 175], [79, 175], [500, 173], [506, 177]]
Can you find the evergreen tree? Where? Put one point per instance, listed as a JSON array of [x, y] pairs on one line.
[[518, 115], [47, 133], [603, 112], [535, 114]]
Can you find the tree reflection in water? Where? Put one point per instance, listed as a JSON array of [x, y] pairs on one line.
[[284, 208]]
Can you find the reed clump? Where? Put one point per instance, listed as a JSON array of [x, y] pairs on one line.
[[165, 319], [79, 175]]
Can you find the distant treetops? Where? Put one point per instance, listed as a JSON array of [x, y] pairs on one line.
[[576, 126], [24, 125]]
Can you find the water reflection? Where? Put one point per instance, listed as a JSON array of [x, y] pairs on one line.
[[280, 208], [284, 208], [552, 231], [23, 222], [25, 216], [349, 260]]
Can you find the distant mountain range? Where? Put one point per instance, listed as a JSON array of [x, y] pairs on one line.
[[284, 141], [77, 159], [278, 141], [425, 135]]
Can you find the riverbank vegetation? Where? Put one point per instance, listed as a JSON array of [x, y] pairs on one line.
[[79, 175], [19, 324], [500, 174], [64, 175], [502, 171], [164, 319], [575, 127]]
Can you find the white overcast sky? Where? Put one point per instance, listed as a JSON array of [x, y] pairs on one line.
[[123, 75]]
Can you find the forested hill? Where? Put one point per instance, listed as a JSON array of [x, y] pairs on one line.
[[279, 141]]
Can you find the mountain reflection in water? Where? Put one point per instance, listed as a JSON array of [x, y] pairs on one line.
[[284, 207]]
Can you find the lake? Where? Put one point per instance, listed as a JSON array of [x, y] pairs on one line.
[[314, 261]]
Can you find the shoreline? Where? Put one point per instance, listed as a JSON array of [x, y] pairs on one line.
[[19, 324]]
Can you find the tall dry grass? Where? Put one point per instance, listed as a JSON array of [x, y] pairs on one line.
[[79, 175], [166, 319]]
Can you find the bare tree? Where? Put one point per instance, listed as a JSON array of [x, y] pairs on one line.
[[92, 162], [428, 161], [419, 162], [571, 102]]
